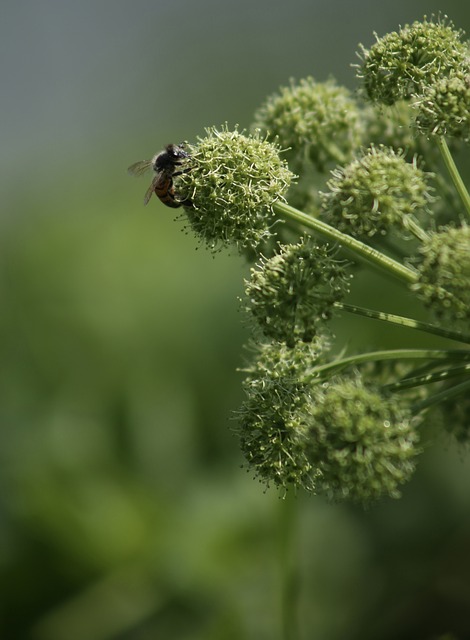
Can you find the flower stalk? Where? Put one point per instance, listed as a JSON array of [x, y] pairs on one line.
[[403, 321], [354, 247], [454, 173]]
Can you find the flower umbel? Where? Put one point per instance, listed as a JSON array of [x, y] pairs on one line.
[[318, 122], [344, 425], [444, 274], [376, 191], [362, 442], [340, 438], [292, 293], [443, 108], [233, 182], [401, 63]]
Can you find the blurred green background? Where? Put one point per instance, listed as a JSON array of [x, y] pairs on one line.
[[124, 513]]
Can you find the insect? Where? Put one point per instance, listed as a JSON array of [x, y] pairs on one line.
[[165, 165]]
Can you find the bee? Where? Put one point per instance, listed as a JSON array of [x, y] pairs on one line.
[[165, 165]]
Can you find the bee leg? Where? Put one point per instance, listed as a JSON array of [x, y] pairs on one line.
[[180, 173], [185, 203]]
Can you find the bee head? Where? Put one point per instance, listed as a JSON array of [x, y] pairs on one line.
[[176, 151]]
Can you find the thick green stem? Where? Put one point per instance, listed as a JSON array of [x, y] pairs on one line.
[[454, 173], [360, 250], [289, 567], [404, 322]]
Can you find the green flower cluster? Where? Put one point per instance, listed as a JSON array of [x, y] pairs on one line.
[[443, 108], [394, 126], [316, 122], [428, 64], [233, 182], [444, 274], [272, 431], [403, 62], [342, 438], [362, 442], [292, 293], [376, 191]]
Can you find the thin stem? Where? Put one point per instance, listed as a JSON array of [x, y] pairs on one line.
[[429, 378], [454, 173], [447, 394], [404, 322], [413, 227], [289, 567], [392, 354], [360, 250]]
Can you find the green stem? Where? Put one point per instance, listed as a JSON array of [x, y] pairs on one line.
[[404, 322], [413, 227], [454, 173], [447, 394], [429, 378], [289, 567], [392, 354], [360, 250]]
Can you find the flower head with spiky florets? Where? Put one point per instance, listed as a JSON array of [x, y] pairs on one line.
[[341, 438], [232, 183], [375, 192], [317, 122], [400, 64], [444, 274], [443, 108], [293, 293]]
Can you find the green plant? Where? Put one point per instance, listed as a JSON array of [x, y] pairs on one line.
[[347, 425]]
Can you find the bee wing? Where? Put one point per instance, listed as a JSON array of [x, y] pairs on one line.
[[139, 168], [151, 189]]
